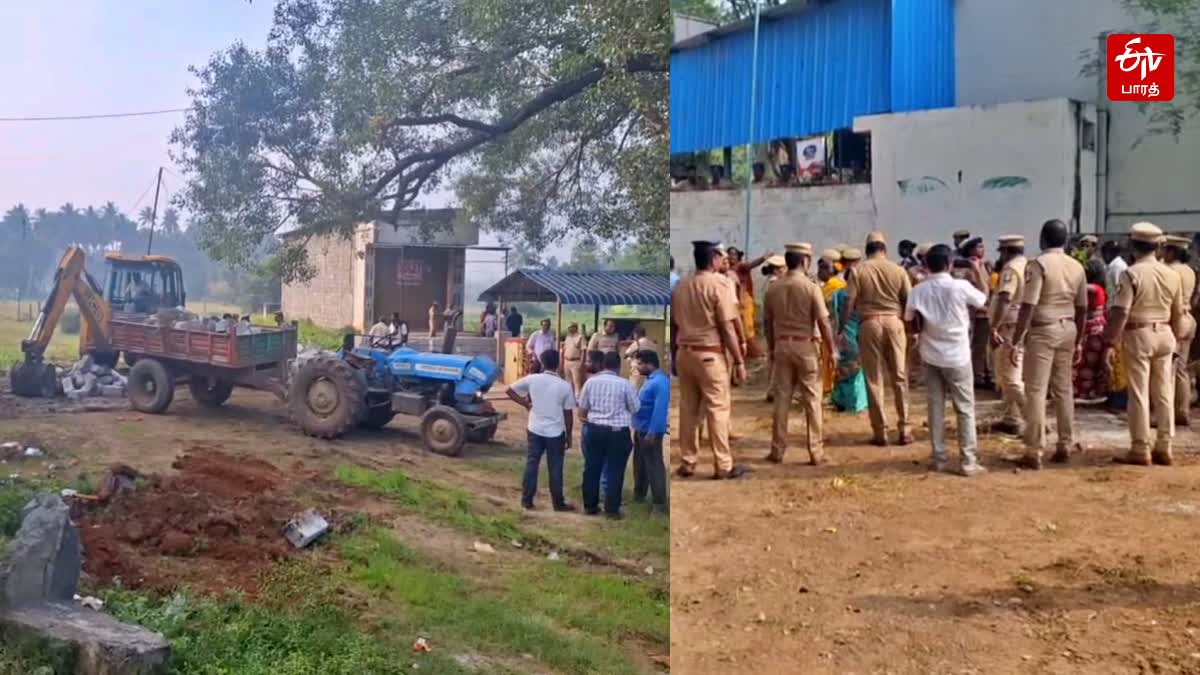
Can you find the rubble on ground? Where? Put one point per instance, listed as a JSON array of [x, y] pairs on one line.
[[87, 378], [12, 451], [39, 579]]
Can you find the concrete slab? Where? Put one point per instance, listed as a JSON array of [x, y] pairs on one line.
[[83, 641]]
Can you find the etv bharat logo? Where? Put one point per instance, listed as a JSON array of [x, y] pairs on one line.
[[1141, 67]]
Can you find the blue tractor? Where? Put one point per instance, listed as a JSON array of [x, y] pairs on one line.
[[366, 386]]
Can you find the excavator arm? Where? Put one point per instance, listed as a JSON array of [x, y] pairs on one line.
[[33, 377]]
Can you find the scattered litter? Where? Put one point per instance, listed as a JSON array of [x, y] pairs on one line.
[[90, 602], [33, 452], [553, 555], [517, 544], [762, 617], [830, 530], [68, 492], [9, 446], [481, 547], [649, 571], [307, 527], [421, 645], [120, 478], [838, 482]]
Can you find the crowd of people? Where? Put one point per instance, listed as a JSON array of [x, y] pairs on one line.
[[1076, 322]]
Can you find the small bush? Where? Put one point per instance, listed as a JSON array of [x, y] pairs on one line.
[[70, 323]]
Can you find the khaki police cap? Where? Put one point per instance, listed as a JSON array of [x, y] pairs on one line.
[[1089, 239], [876, 237], [923, 249], [851, 255], [1011, 240], [831, 255], [776, 261], [1146, 232], [841, 248], [1177, 241], [961, 234], [803, 248]]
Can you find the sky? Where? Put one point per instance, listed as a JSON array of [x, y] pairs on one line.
[[85, 57]]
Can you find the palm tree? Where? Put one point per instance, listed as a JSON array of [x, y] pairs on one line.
[[146, 216]]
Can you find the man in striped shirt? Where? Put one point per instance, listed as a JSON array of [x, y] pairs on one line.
[[607, 404]]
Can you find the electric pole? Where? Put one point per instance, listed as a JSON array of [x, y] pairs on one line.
[[154, 212]]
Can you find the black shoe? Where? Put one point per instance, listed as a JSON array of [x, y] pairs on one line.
[[736, 472], [591, 512], [614, 516], [639, 500], [528, 506], [565, 508], [660, 509]]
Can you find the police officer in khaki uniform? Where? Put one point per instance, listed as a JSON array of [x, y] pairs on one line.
[[879, 290], [1006, 305], [1177, 255], [775, 268], [795, 312], [1148, 316], [608, 341], [574, 348], [1047, 335], [640, 343], [703, 330]]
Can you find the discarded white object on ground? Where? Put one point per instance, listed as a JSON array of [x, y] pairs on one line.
[[481, 547], [553, 555], [33, 452], [90, 602], [305, 528], [68, 492]]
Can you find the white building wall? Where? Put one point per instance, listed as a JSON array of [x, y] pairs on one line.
[[1030, 49], [993, 170], [824, 216]]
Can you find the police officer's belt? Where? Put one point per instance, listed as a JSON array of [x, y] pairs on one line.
[[1051, 322], [703, 348], [881, 315], [1138, 325], [795, 338]]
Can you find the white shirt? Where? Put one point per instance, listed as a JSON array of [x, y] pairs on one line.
[[945, 304], [551, 395], [1112, 277], [540, 342]]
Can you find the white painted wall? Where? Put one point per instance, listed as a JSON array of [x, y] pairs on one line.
[[1029, 49], [937, 171], [823, 215]]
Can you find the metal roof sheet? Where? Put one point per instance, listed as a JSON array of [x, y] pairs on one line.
[[582, 288], [821, 64]]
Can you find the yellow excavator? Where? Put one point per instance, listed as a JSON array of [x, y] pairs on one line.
[[136, 286]]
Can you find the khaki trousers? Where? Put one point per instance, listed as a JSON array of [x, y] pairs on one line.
[[573, 373], [883, 347], [797, 367], [1183, 377], [1148, 355], [1009, 378], [1049, 355], [703, 393], [772, 389]]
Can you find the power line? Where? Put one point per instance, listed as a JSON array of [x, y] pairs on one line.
[[66, 118]]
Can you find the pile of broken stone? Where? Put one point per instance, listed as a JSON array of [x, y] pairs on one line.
[[87, 378]]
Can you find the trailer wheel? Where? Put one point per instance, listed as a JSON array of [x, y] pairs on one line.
[[209, 392], [150, 387], [443, 431], [327, 397]]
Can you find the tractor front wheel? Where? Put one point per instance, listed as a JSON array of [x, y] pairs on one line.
[[443, 431], [327, 397], [150, 387]]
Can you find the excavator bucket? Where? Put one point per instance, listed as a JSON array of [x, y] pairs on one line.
[[34, 380]]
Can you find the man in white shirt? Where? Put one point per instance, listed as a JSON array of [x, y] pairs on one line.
[[940, 309], [550, 402], [1115, 266], [541, 342], [378, 335]]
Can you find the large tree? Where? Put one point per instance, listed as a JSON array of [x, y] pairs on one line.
[[546, 116]]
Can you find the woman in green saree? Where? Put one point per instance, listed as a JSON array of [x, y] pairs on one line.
[[850, 386]]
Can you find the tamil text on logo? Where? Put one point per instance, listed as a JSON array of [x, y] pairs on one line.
[[1141, 67]]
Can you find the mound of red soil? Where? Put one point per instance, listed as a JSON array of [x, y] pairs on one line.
[[212, 527]]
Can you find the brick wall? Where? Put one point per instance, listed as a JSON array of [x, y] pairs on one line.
[[822, 215], [328, 298]]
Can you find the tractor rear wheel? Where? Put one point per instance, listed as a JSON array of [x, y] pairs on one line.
[[34, 380], [327, 397], [209, 392], [443, 431], [150, 387]]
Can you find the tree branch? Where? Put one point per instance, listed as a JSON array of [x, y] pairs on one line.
[[445, 118]]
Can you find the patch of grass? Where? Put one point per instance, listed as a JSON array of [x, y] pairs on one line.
[[63, 348], [300, 629], [15, 660], [447, 505], [522, 620]]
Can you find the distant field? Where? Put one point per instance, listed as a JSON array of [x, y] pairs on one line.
[[62, 348]]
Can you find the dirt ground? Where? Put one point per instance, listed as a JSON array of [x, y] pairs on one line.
[[875, 565]]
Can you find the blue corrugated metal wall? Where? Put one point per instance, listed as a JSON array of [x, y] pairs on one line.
[[922, 54], [817, 70]]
